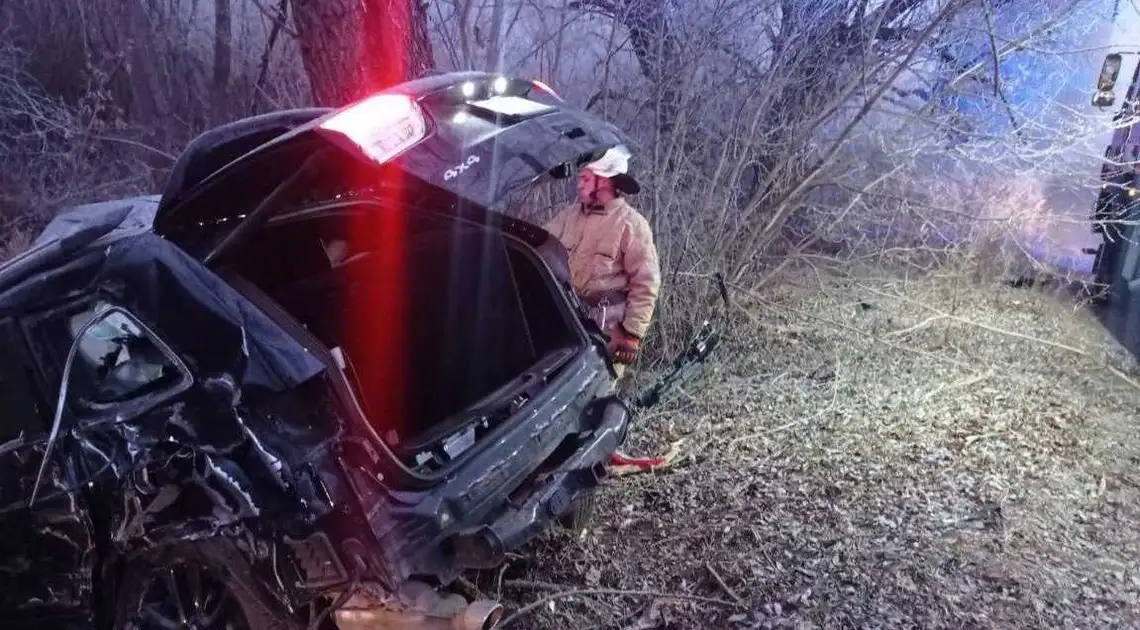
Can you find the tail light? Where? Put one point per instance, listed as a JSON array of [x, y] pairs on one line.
[[546, 88], [382, 126]]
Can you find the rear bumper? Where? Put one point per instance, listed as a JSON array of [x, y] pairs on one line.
[[550, 495], [512, 486]]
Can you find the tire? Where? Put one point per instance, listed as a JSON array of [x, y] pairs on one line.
[[208, 584], [581, 513]]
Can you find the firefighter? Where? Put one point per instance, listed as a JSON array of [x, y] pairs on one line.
[[613, 259]]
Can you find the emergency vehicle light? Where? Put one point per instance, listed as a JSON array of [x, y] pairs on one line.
[[383, 126]]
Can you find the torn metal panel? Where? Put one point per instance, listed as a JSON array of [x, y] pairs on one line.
[[194, 473], [47, 554], [176, 481]]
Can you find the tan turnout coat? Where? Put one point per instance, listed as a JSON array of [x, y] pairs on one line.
[[613, 262]]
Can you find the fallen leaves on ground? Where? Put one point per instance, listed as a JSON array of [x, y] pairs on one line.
[[836, 475]]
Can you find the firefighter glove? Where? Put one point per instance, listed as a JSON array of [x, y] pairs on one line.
[[624, 346]]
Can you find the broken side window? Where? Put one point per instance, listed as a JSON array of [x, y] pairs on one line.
[[118, 359]]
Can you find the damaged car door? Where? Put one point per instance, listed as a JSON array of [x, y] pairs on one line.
[[46, 544], [105, 367]]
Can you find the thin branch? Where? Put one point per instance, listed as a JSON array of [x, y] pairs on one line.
[[998, 91], [917, 327], [140, 145], [830, 322], [724, 586], [1009, 333], [526, 610], [612, 95]]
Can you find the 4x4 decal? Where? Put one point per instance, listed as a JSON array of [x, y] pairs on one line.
[[460, 168]]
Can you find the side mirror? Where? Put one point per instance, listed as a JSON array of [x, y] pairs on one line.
[[1105, 95]]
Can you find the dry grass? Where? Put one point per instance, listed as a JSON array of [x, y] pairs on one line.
[[842, 476], [14, 243]]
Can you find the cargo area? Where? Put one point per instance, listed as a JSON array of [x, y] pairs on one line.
[[443, 328]]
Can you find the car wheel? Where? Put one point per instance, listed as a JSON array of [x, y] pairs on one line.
[[581, 513], [191, 588]]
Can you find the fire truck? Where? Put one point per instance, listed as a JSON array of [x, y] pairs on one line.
[[1117, 259], [1116, 215]]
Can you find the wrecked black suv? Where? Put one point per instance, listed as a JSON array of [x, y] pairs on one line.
[[310, 383]]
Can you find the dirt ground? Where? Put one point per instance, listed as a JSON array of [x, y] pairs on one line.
[[878, 452]]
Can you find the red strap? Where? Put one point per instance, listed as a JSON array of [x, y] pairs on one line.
[[644, 463]]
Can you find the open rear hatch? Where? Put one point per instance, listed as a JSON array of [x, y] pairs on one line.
[[477, 136], [456, 313]]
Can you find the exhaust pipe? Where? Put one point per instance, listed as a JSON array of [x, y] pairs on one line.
[[479, 615], [428, 612]]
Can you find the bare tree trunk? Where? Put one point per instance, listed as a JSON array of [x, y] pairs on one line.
[[461, 28], [495, 43], [126, 42], [656, 47], [353, 47], [223, 39], [279, 19]]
